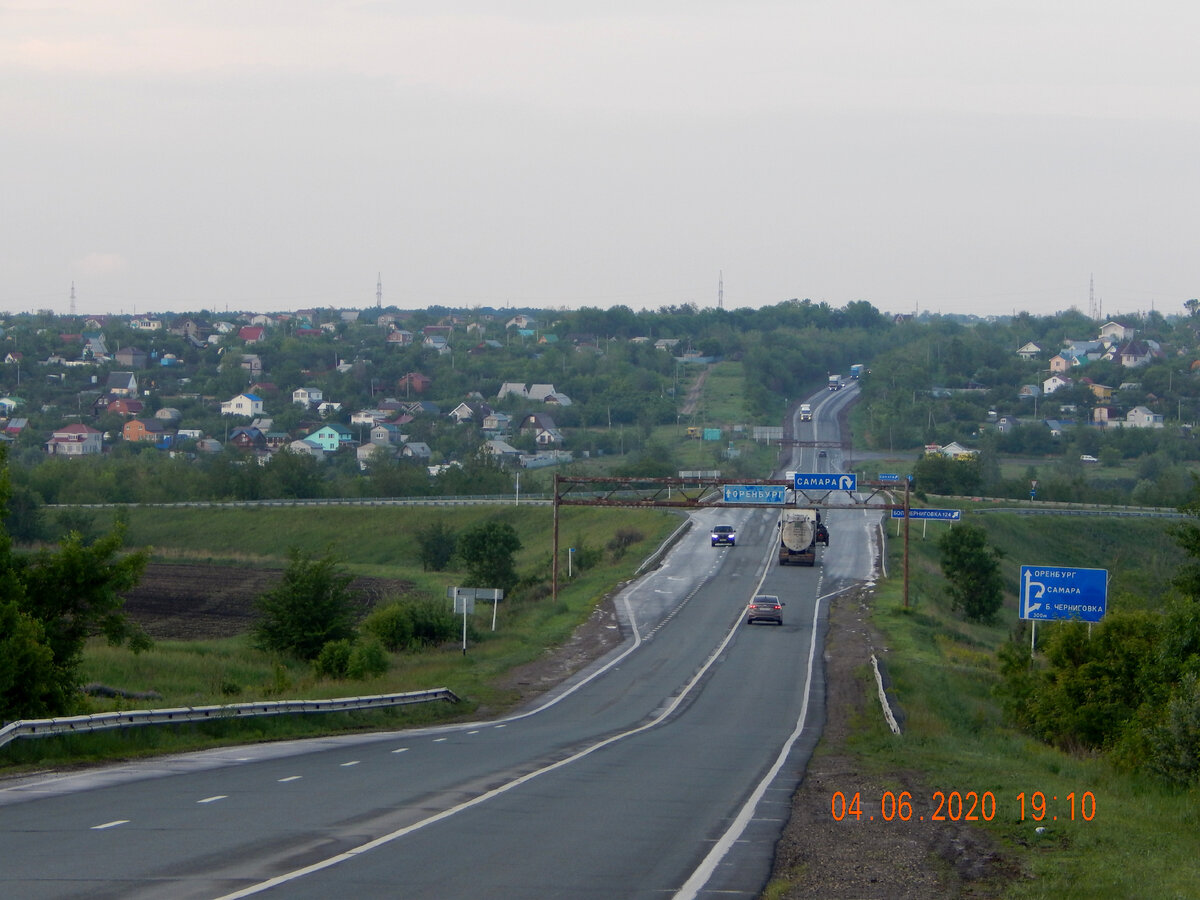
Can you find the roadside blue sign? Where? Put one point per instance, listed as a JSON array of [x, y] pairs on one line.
[[768, 494], [1052, 592], [826, 482], [946, 515], [888, 476]]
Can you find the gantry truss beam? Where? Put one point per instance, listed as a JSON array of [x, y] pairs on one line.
[[689, 493], [701, 492]]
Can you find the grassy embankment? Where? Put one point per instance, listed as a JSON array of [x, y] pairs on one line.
[[1142, 839]]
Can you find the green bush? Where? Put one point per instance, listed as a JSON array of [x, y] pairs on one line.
[[334, 659], [368, 659], [310, 607], [392, 626], [433, 622]]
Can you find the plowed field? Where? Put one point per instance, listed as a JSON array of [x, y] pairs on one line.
[[182, 602]]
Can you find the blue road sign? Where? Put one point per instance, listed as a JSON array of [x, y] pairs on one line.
[[946, 515], [888, 476], [1051, 592], [826, 482], [767, 494]]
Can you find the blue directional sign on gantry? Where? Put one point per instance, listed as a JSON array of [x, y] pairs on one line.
[[813, 481], [1052, 592], [766, 494]]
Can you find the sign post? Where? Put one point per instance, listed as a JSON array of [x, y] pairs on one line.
[[466, 597]]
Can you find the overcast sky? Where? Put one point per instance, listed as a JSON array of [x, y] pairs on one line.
[[986, 156]]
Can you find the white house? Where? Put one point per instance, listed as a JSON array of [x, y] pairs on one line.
[[1029, 351], [243, 405], [1141, 417], [1116, 333], [307, 396], [1054, 382], [75, 440]]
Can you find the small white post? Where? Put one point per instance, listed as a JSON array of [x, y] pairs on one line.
[[495, 603]]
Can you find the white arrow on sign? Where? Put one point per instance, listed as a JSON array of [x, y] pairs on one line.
[[1030, 584], [846, 482]]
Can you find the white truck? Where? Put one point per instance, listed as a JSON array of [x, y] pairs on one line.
[[835, 382], [800, 530], [805, 412]]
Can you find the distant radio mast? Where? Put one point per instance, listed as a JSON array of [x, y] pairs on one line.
[[721, 289], [72, 298], [379, 291], [1093, 312]]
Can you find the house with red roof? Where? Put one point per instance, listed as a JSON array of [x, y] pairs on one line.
[[75, 440]]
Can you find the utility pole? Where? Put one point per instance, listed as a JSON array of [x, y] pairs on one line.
[[906, 486]]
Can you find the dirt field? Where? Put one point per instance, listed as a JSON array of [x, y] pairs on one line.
[[189, 602]]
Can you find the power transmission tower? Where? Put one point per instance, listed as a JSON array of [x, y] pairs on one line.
[[379, 291], [721, 289]]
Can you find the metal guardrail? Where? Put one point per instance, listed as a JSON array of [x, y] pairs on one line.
[[103, 721]]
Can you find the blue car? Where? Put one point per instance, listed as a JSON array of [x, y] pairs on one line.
[[724, 534]]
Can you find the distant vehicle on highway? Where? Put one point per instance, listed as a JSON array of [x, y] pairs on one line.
[[805, 412], [724, 534], [1088, 459], [821, 454], [765, 608]]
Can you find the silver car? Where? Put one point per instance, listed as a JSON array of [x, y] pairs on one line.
[[765, 608]]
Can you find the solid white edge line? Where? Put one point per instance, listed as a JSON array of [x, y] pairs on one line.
[[705, 870]]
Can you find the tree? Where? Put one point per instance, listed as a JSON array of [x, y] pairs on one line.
[[50, 603], [972, 569], [311, 606], [488, 550], [435, 546], [31, 686], [73, 592]]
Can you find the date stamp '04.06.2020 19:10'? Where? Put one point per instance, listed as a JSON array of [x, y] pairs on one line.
[[962, 806]]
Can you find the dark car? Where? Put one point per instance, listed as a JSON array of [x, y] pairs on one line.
[[724, 534], [765, 608], [821, 454]]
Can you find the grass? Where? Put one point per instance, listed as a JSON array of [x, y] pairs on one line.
[[379, 541], [1141, 842]]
